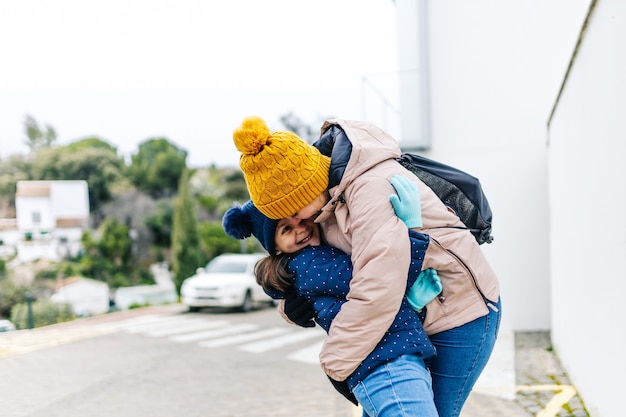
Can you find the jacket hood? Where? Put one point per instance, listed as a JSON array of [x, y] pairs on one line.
[[354, 147]]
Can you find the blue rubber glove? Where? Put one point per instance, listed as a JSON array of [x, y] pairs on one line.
[[407, 203], [425, 289]]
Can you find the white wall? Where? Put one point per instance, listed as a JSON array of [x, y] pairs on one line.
[[495, 69], [28, 251], [65, 200], [125, 297], [86, 296], [26, 206], [76, 192], [587, 199]]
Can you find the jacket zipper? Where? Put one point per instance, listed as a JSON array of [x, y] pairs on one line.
[[442, 299]]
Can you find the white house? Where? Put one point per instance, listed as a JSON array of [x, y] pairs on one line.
[[50, 218], [164, 292], [86, 296], [530, 96], [9, 237]]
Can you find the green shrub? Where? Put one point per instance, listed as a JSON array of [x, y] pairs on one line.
[[44, 313], [138, 305], [10, 294]]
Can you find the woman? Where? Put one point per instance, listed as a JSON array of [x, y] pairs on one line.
[[342, 182]]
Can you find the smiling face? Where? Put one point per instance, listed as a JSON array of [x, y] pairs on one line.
[[290, 238]]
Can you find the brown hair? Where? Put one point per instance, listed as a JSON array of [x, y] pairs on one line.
[[271, 274]]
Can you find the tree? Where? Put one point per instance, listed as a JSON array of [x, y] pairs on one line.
[[236, 188], [296, 125], [115, 243], [91, 143], [215, 241], [36, 138], [110, 258], [217, 189], [159, 222], [13, 169], [132, 208], [99, 166], [185, 237], [157, 167]]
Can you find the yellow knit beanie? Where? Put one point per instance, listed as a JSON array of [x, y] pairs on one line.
[[284, 173]]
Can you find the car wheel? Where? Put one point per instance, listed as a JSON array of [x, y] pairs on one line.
[[247, 302], [194, 309]]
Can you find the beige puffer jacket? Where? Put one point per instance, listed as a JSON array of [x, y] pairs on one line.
[[360, 220]]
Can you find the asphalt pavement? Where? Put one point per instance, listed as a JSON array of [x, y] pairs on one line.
[[523, 378]]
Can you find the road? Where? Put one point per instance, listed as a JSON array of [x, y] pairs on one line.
[[164, 361], [167, 362]]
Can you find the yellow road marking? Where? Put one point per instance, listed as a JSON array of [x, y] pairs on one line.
[[564, 393], [22, 341]]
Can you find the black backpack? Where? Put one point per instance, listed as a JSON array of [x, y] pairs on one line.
[[457, 190]]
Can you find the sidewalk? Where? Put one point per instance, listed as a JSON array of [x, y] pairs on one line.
[[524, 378]]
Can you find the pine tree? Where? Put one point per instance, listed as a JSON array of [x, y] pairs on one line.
[[185, 237]]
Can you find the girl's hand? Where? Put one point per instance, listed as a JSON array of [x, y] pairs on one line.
[[426, 288], [407, 202]]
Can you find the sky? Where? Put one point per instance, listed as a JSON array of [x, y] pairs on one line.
[[187, 70]]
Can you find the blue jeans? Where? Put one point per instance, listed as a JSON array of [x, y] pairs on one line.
[[402, 387], [462, 354]]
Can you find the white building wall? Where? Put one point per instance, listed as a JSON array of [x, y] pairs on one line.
[[62, 192], [29, 251], [86, 296], [68, 241], [495, 69], [25, 207], [11, 237], [126, 297], [587, 199], [65, 200]]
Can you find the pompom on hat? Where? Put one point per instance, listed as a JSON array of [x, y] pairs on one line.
[[241, 222], [283, 173]]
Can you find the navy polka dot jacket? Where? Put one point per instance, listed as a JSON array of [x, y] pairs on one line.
[[323, 274]]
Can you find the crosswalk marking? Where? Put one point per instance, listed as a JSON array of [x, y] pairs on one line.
[[221, 331], [137, 321], [308, 355], [201, 330], [205, 334], [277, 342], [178, 328], [243, 337], [158, 324]]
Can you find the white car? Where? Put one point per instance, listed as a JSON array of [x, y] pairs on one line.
[[6, 325], [227, 281]]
